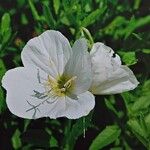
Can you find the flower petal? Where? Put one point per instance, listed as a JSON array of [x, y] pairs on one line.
[[21, 85], [50, 51], [110, 77], [79, 65], [72, 108]]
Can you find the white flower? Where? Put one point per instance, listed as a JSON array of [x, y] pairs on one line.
[[54, 81], [109, 76]]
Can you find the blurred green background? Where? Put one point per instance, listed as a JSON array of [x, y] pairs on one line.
[[118, 122]]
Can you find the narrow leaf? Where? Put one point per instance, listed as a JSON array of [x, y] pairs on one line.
[[56, 5], [146, 51], [92, 17], [16, 141], [34, 11], [2, 100], [106, 137], [138, 131], [5, 28], [5, 23], [48, 16], [78, 129], [141, 103], [134, 24]]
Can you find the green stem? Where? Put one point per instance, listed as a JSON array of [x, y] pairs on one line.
[[89, 36]]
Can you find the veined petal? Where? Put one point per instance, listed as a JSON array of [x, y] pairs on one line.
[[110, 77], [50, 52], [25, 92], [79, 65], [26, 99], [121, 80], [72, 108]]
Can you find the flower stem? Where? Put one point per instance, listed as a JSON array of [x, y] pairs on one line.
[[86, 32]]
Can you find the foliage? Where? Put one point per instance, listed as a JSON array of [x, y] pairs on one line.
[[107, 136], [119, 121]]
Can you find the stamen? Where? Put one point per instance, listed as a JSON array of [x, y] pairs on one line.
[[68, 83], [60, 87]]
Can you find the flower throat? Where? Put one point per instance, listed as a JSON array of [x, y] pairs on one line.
[[62, 86]]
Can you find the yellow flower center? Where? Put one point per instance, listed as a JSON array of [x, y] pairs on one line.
[[61, 86]]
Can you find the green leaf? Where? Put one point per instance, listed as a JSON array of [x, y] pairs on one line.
[[121, 27], [2, 99], [5, 28], [147, 122], [141, 103], [2, 69], [146, 87], [137, 36], [53, 142], [136, 4], [65, 21], [146, 51], [134, 124], [77, 129], [106, 137], [5, 23], [24, 19], [138, 131], [129, 58], [92, 17], [128, 98], [34, 11], [48, 16], [56, 5], [16, 141], [116, 27], [67, 4], [136, 23], [26, 124], [21, 3]]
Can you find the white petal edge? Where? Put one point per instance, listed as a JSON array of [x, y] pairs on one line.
[[73, 109], [19, 84]]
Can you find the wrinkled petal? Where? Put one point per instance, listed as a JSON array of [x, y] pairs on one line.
[[79, 65], [72, 108], [20, 84], [120, 81], [50, 52], [110, 77]]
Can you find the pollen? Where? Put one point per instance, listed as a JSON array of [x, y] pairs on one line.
[[61, 86]]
